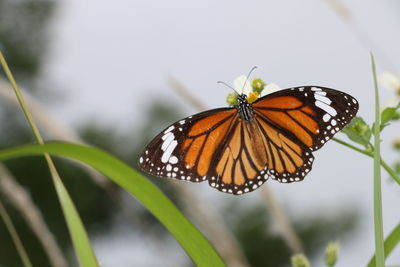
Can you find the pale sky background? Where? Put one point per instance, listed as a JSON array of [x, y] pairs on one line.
[[112, 58]]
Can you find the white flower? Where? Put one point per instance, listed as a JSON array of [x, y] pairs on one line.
[[270, 88], [391, 81], [242, 85]]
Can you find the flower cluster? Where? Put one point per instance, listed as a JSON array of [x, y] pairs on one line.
[[254, 90]]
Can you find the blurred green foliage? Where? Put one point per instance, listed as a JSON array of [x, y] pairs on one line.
[[265, 247], [24, 34]]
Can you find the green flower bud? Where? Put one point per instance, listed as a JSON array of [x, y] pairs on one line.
[[361, 128], [232, 99], [299, 260], [257, 85], [331, 254]]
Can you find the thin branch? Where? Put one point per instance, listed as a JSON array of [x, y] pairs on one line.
[[181, 90], [275, 208], [22, 201], [282, 221]]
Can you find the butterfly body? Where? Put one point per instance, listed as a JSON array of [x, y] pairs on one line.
[[245, 109], [236, 149]]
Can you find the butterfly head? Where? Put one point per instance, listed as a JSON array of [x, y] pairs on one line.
[[242, 99]]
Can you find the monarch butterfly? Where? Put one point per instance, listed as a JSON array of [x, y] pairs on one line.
[[236, 149]]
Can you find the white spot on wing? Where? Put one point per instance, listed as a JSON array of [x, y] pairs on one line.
[[170, 128], [167, 153], [326, 107], [321, 93], [326, 117], [173, 160], [167, 141], [165, 136], [322, 98]]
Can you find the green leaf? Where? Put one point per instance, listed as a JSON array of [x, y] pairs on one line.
[[387, 115], [80, 239], [396, 116], [195, 244], [390, 243], [358, 131]]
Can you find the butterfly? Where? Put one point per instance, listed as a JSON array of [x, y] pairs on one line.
[[236, 149]]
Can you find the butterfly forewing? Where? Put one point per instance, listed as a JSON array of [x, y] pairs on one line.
[[310, 114], [184, 150], [237, 155]]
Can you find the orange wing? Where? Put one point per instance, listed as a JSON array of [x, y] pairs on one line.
[[254, 152], [310, 115], [237, 156], [186, 149]]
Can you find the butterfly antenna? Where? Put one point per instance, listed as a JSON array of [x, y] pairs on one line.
[[227, 85], [247, 78]]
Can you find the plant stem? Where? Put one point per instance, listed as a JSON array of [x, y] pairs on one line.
[[352, 147], [389, 170], [378, 220], [14, 236]]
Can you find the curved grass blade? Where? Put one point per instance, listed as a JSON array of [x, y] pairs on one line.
[[390, 243], [80, 240], [194, 243]]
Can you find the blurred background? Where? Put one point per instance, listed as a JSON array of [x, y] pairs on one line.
[[111, 74]]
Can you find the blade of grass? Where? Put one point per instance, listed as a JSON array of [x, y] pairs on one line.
[[20, 198], [378, 220], [80, 240], [14, 236], [195, 244], [390, 243]]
